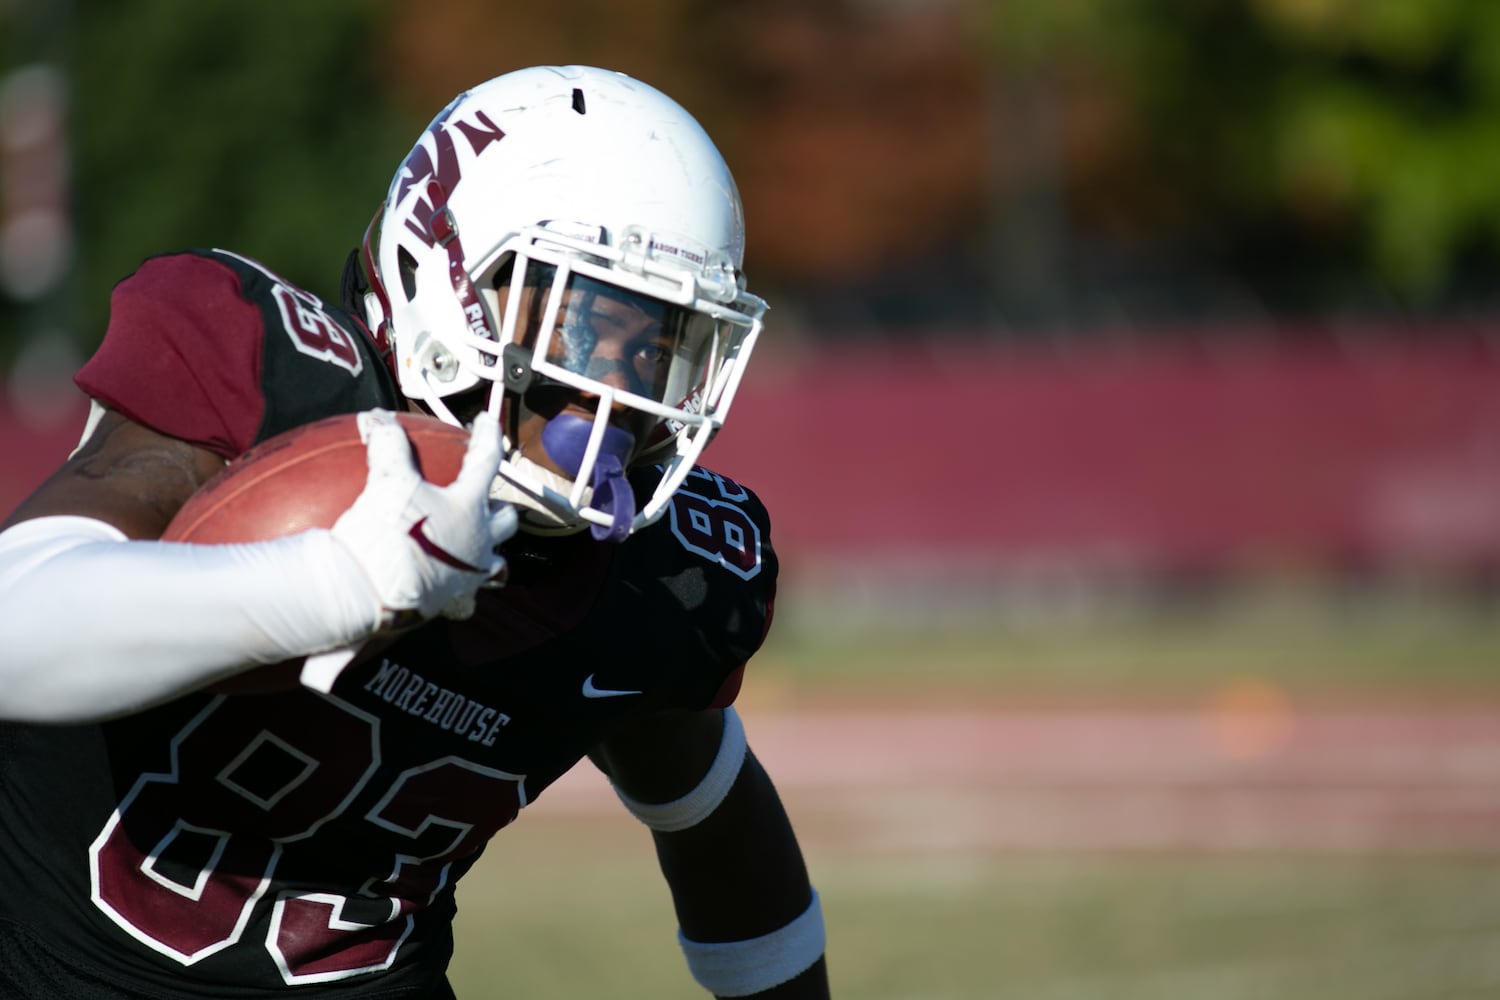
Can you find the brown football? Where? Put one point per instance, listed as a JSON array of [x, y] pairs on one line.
[[304, 478]]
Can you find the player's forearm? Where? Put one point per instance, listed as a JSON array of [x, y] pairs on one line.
[[737, 878], [739, 873], [750, 923], [92, 625]]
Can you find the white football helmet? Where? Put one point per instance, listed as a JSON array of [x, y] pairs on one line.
[[527, 199]]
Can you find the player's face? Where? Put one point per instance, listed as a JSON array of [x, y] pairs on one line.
[[616, 339], [623, 341]]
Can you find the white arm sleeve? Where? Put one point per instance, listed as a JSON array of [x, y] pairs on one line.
[[93, 625]]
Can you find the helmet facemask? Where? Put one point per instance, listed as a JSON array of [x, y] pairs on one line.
[[602, 358]]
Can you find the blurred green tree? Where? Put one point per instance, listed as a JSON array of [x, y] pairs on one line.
[[935, 162], [257, 125], [1331, 151]]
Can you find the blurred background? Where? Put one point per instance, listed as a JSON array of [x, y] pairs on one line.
[[1128, 413]]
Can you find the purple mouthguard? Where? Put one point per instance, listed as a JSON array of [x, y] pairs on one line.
[[565, 438]]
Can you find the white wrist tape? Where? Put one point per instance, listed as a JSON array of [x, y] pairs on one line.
[[696, 806], [742, 968]]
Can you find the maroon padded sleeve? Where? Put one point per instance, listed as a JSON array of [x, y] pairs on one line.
[[182, 354]]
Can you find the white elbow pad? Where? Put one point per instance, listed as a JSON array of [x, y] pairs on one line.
[[696, 806]]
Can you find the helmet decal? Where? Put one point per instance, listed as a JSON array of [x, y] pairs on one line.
[[428, 218]]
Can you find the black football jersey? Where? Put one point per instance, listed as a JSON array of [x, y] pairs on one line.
[[289, 843]]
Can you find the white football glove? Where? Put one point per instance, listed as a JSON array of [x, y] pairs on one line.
[[425, 549]]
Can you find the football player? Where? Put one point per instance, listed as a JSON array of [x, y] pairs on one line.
[[557, 266]]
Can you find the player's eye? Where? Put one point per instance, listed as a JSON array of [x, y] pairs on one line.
[[652, 352], [650, 359]]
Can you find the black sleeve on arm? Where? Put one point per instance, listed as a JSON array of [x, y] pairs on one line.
[[737, 875], [740, 874]]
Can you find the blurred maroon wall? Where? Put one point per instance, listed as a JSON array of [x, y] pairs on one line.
[[32, 447], [1176, 458], [1171, 458]]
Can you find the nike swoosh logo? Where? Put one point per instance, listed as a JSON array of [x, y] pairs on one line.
[[437, 552], [589, 691]]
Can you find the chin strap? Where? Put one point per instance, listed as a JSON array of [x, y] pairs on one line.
[[537, 517], [566, 438]]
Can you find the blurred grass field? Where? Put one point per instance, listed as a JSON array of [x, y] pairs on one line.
[[1306, 634], [559, 924], [568, 903]]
